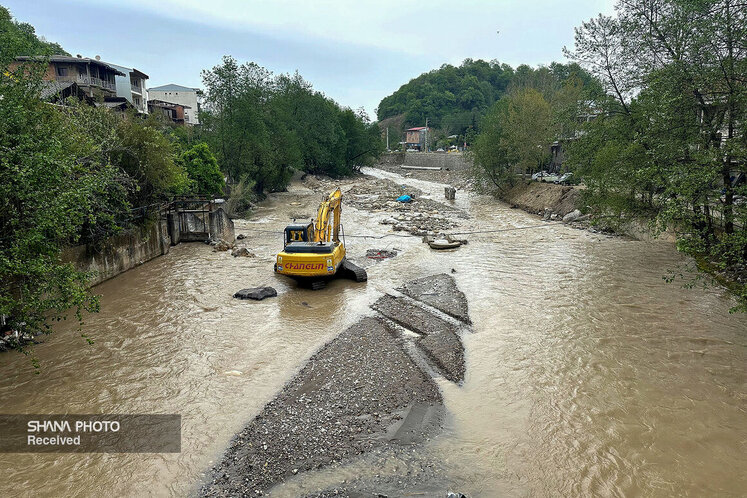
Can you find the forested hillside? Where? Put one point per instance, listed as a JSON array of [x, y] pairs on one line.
[[454, 99]]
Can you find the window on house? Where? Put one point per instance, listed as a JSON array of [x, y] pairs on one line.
[[61, 71]]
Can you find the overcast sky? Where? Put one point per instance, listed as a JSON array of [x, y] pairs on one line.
[[355, 51]]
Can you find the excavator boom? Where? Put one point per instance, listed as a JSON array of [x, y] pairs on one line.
[[333, 204]]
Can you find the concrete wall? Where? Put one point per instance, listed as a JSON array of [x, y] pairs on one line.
[[138, 245], [122, 252], [393, 158], [454, 161], [221, 226]]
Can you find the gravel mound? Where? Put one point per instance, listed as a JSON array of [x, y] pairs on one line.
[[441, 292], [438, 338], [357, 393]]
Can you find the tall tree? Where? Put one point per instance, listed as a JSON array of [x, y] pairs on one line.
[[676, 72]]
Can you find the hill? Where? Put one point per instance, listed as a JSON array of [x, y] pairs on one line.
[[455, 98]]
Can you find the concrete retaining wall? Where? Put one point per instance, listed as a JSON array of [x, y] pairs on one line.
[[138, 245], [221, 226], [452, 162], [392, 158], [122, 252]]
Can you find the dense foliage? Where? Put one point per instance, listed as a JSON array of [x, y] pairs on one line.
[[263, 127], [17, 38], [73, 175], [454, 99], [541, 106], [669, 142], [450, 97], [203, 170], [51, 185]]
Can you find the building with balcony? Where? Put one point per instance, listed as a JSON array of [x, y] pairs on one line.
[[170, 110], [131, 86], [93, 77], [182, 95], [415, 138]]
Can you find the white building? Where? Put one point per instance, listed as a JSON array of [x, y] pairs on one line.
[[132, 87], [178, 94]]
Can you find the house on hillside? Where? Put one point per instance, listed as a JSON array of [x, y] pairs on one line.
[[92, 77], [179, 95], [56, 92], [131, 86], [171, 110], [415, 137]]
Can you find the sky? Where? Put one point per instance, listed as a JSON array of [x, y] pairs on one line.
[[355, 51]]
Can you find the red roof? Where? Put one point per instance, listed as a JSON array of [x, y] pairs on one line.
[[417, 128]]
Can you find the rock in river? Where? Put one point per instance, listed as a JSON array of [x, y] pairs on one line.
[[256, 293], [241, 252]]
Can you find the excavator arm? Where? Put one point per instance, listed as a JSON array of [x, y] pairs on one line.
[[331, 206]]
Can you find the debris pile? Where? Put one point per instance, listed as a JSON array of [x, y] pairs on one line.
[[443, 241], [379, 254]]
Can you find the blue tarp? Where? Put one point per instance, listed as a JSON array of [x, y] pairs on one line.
[[404, 198]]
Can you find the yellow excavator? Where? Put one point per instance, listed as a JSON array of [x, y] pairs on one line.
[[313, 253]]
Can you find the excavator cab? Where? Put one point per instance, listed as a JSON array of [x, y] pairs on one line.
[[298, 233]]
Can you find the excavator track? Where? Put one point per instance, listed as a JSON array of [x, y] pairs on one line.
[[352, 271]]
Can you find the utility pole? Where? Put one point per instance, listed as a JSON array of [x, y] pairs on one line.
[[426, 134], [387, 138]]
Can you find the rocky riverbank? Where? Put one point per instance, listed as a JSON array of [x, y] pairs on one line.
[[371, 388]]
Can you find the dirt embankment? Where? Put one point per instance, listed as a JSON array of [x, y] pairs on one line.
[[539, 198]]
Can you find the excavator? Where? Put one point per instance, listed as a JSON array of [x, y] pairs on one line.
[[313, 253]]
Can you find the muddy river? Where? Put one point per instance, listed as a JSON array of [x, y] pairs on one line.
[[586, 374]]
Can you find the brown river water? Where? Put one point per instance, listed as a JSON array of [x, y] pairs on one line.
[[587, 374]]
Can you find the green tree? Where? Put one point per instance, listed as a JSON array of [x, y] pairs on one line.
[[144, 152], [263, 127], [515, 137], [52, 183], [527, 130], [20, 39], [491, 158], [203, 170], [672, 128]]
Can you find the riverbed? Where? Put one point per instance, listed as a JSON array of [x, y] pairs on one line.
[[586, 373]]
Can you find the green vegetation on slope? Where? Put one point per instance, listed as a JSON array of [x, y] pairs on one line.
[[454, 99], [19, 38]]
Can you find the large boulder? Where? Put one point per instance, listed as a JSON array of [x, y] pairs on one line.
[[572, 216], [222, 245], [256, 293], [242, 252]]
